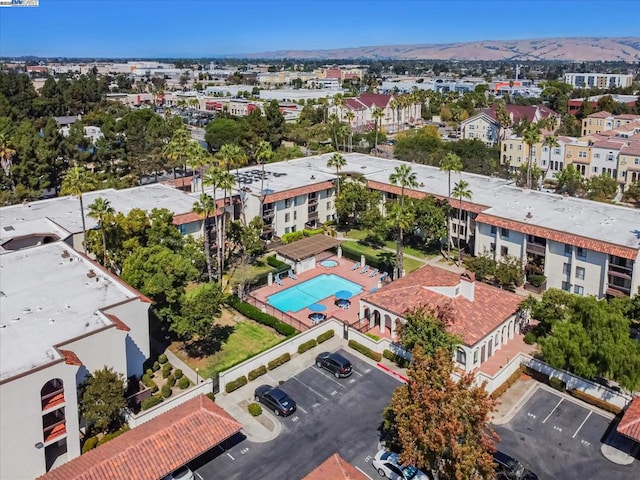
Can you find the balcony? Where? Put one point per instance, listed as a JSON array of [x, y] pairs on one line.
[[536, 248], [267, 214], [616, 291], [313, 200], [313, 215]]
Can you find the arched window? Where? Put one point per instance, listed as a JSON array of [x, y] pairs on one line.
[[52, 394]]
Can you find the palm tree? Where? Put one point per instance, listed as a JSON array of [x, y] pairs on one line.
[[531, 136], [450, 163], [232, 156], [101, 210], [550, 141], [198, 159], [394, 105], [205, 206], [77, 181], [223, 180], [461, 191], [405, 177], [264, 153], [177, 148], [377, 115], [400, 218], [338, 101], [337, 161], [350, 116]]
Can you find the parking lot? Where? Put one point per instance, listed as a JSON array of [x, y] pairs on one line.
[[559, 438], [333, 415]]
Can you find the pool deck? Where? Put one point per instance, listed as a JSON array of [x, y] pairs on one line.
[[343, 269]]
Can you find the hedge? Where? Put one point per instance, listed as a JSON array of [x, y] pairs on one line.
[[323, 337], [507, 383], [281, 360], [303, 347], [113, 435], [257, 372], [292, 237], [397, 359], [275, 263], [309, 233], [152, 401], [558, 384], [536, 280], [595, 401], [162, 359], [90, 444], [366, 351], [235, 384], [183, 383], [255, 409], [265, 319]]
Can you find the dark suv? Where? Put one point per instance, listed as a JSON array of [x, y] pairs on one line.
[[335, 363], [509, 468], [275, 399]]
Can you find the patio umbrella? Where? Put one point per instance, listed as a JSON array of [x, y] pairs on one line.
[[317, 307], [343, 294]]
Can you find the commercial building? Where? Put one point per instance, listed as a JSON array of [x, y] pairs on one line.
[[598, 80]]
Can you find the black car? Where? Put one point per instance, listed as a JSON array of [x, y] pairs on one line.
[[335, 363], [510, 468], [275, 399]]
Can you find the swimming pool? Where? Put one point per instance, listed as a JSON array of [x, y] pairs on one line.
[[300, 296], [329, 263]]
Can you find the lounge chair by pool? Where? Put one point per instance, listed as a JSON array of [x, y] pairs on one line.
[[383, 276], [291, 275], [365, 269], [355, 266], [374, 272], [279, 281]]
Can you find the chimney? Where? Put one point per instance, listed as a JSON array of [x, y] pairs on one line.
[[468, 285]]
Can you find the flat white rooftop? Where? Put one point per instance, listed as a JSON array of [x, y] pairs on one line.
[[63, 213], [46, 299]]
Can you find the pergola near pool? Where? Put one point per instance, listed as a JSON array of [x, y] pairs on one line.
[[303, 254]]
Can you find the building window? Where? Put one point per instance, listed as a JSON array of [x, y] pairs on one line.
[[287, 229], [596, 155], [475, 356], [578, 290], [580, 273], [328, 205], [565, 268], [595, 169], [582, 154], [511, 146], [556, 151], [295, 215], [520, 147], [287, 202], [568, 249], [581, 253], [504, 251], [495, 340], [566, 286], [287, 217], [493, 229], [492, 247], [504, 232], [461, 356]]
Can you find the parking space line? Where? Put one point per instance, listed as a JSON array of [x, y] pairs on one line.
[[362, 472], [229, 455], [199, 476], [313, 390], [300, 408], [554, 409], [331, 378], [583, 422], [357, 373]]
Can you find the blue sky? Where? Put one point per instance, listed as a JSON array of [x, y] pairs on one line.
[[187, 28]]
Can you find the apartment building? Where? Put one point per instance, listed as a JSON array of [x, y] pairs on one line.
[[482, 127], [604, 121], [629, 165], [398, 113], [598, 80], [515, 153], [62, 318], [275, 79]]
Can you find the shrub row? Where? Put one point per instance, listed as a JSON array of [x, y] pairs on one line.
[[353, 253], [366, 351], [292, 237], [235, 384], [257, 372], [595, 401], [555, 382], [183, 383], [152, 401], [281, 360], [323, 337], [507, 383], [275, 263], [89, 444], [255, 409], [265, 319], [113, 435], [309, 232], [397, 359], [303, 347]]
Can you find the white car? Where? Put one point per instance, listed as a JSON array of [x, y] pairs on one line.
[[388, 465], [183, 473]]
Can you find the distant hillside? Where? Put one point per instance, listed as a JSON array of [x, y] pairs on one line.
[[578, 49]]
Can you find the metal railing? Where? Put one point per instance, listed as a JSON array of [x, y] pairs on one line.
[[282, 316]]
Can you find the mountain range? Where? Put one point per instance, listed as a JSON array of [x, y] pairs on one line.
[[625, 49]]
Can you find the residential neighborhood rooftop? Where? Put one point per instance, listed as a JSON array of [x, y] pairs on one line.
[[47, 298]]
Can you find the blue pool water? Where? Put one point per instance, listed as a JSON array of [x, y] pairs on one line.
[[301, 296]]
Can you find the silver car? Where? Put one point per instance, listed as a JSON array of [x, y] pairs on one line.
[[388, 465]]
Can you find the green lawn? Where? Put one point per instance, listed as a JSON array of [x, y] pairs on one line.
[[409, 263], [362, 234]]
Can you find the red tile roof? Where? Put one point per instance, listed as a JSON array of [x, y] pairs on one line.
[[602, 114], [385, 187], [474, 319], [633, 149], [610, 145], [335, 468], [294, 192], [520, 112], [184, 218], [627, 116], [155, 448], [557, 236], [70, 358], [120, 325], [629, 426], [378, 99]]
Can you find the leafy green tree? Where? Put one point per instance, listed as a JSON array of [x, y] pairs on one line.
[[77, 181], [102, 211], [442, 425], [525, 173], [450, 163], [162, 275], [219, 179], [223, 131], [199, 310], [431, 219], [569, 180], [602, 187], [509, 272], [461, 191], [428, 329], [103, 402], [483, 266], [162, 231], [632, 193]]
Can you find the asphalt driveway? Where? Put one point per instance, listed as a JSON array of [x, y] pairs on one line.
[[342, 416], [557, 438]]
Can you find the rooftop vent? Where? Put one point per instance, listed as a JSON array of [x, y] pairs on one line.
[[529, 215], [65, 254], [91, 273]]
